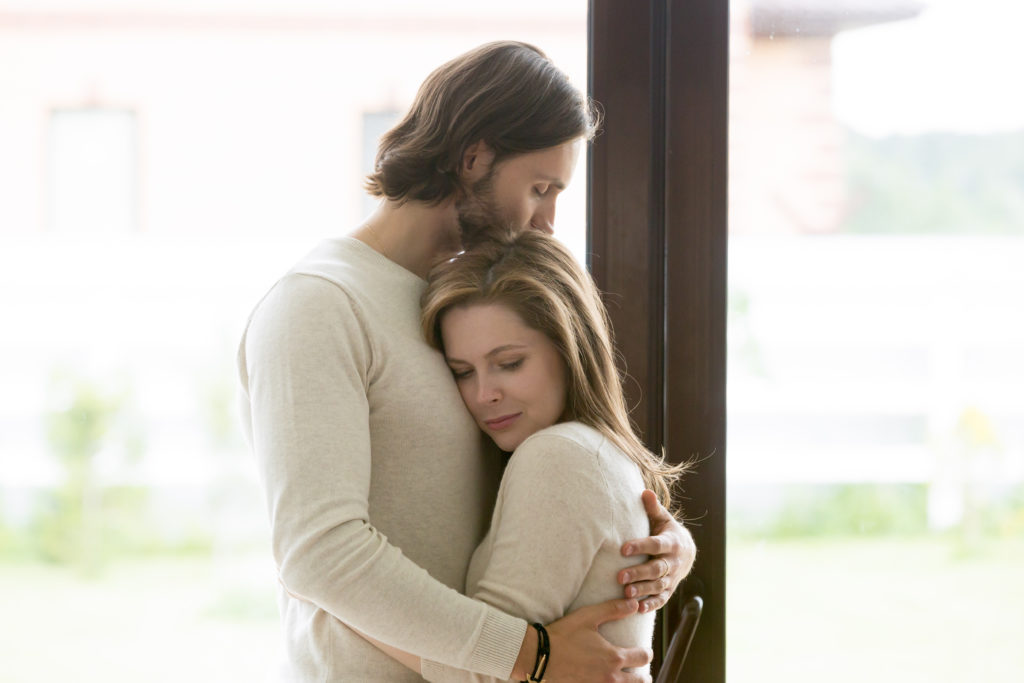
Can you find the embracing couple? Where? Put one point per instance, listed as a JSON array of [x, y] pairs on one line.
[[454, 487]]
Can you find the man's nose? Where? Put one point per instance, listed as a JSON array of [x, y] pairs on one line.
[[544, 218]]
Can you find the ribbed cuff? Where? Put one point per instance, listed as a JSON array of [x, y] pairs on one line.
[[498, 647], [496, 651]]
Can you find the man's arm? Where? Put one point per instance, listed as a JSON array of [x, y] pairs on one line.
[[672, 553], [573, 633], [304, 365]]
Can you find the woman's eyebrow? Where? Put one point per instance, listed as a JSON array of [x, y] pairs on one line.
[[493, 352], [504, 347]]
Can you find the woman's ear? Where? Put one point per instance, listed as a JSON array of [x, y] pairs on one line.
[[476, 162]]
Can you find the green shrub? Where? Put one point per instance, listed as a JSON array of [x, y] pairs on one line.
[[837, 510]]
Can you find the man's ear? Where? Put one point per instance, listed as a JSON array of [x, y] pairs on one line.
[[476, 161]]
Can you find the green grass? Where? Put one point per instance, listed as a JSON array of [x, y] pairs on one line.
[[157, 620], [880, 610], [875, 610]]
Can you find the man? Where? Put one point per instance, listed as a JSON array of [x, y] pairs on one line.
[[378, 483]]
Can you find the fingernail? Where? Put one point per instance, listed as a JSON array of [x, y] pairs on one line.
[[627, 577], [630, 592], [628, 550]]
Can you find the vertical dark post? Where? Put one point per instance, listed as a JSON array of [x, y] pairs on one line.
[[626, 197], [695, 286], [657, 221]]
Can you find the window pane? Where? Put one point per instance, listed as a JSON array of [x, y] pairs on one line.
[[196, 150], [93, 171], [876, 429]]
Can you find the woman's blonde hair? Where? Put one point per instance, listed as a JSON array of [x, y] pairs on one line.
[[537, 277]]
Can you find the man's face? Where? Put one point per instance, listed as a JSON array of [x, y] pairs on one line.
[[520, 191]]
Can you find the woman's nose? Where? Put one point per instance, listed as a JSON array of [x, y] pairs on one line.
[[488, 392]]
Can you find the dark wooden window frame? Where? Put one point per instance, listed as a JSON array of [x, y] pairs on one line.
[[657, 247]]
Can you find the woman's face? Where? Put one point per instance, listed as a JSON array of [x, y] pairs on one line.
[[511, 376]]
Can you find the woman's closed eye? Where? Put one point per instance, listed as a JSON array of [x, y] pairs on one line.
[[512, 365], [460, 373]]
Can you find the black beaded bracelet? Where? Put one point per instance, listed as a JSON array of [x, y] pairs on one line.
[[543, 653]]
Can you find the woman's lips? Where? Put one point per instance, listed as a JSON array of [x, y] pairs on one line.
[[503, 422]]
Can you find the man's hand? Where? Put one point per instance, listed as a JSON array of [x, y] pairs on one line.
[[580, 654], [672, 552]]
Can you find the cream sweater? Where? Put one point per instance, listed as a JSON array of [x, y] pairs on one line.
[[569, 499], [377, 480]]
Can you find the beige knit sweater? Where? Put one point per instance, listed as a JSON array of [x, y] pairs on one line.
[[377, 482], [569, 499]]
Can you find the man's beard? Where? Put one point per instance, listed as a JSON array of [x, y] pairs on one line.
[[480, 217]]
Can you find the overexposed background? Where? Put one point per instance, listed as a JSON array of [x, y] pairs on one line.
[[875, 413], [164, 162]]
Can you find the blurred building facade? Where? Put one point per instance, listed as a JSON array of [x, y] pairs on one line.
[[164, 162]]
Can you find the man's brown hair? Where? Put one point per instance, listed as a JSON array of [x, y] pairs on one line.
[[508, 94]]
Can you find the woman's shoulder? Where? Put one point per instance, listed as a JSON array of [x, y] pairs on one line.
[[570, 446], [580, 467], [574, 436], [561, 464], [566, 445]]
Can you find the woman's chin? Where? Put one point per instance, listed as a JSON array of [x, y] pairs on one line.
[[506, 442], [510, 440]]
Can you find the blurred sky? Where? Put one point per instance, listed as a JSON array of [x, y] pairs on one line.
[[955, 67]]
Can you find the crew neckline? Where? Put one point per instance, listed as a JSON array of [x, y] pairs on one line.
[[369, 252]]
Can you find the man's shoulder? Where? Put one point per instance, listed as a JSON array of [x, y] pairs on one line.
[[338, 261], [317, 291], [335, 272], [341, 288]]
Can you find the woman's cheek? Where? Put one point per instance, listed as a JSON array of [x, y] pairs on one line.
[[466, 393]]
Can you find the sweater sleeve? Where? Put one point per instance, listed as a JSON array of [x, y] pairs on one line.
[[552, 516], [305, 362]]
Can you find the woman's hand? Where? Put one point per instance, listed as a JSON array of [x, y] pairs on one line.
[[672, 552]]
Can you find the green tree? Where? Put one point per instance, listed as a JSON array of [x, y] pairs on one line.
[[84, 420], [939, 183]]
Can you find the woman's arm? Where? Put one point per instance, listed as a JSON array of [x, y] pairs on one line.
[[553, 515]]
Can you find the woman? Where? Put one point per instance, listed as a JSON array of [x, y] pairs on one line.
[[524, 331]]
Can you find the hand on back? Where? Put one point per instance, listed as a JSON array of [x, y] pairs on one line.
[[579, 653]]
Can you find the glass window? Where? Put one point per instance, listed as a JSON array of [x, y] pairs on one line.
[[93, 171], [375, 124], [875, 431], [162, 166]]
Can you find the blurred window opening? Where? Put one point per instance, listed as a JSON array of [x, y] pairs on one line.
[[161, 165], [876, 431], [93, 171], [375, 124]]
